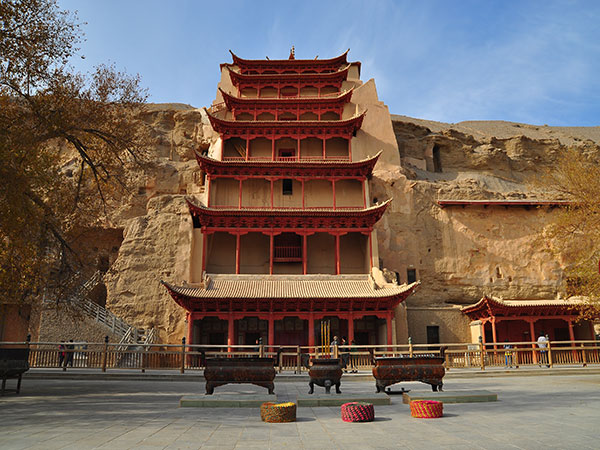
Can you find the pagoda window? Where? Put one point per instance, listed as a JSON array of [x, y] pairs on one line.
[[289, 91], [266, 116], [268, 92], [330, 115], [287, 187], [336, 148], [285, 144], [286, 154], [260, 148], [437, 160], [287, 116], [249, 92], [309, 115], [311, 148], [244, 116], [329, 91], [234, 149], [353, 253], [411, 275], [309, 91], [287, 247]]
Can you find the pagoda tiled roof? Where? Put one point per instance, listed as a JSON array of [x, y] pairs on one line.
[[344, 127], [322, 168], [299, 63], [256, 102], [489, 306], [338, 76], [318, 292], [353, 219]]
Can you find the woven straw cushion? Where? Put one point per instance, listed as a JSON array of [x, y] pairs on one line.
[[426, 409], [358, 412], [278, 412]]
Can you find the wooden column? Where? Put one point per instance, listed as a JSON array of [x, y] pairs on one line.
[[190, 328], [271, 238], [298, 152], [304, 254], [388, 323], [350, 328], [273, 147], [271, 338], [272, 188], [324, 140], [311, 330], [302, 181], [493, 321], [337, 254], [230, 332], [364, 192], [240, 196], [204, 251], [247, 149], [532, 334], [370, 250], [333, 190], [350, 148], [208, 181], [571, 331], [238, 238]]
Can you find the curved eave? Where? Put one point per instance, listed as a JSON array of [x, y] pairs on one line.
[[211, 165], [232, 101], [337, 76], [245, 127], [361, 219], [342, 59], [489, 306], [335, 297]]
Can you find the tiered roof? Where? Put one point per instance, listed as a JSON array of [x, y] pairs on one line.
[[301, 168], [355, 219], [497, 307], [273, 293]]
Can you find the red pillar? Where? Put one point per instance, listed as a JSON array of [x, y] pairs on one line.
[[273, 147], [298, 152], [333, 188], [271, 331], [204, 250], [230, 332], [494, 331], [237, 253], [311, 330], [532, 334], [208, 181], [571, 331], [364, 193], [302, 181], [388, 322], [350, 328], [240, 196], [247, 149], [337, 254], [304, 254], [350, 148], [271, 238], [272, 188], [370, 250], [324, 140], [190, 328]]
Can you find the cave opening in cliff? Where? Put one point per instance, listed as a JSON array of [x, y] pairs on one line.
[[437, 160]]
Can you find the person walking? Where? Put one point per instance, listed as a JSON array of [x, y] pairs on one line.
[[542, 343]]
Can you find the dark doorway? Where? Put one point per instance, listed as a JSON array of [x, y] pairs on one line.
[[561, 334], [433, 335], [437, 160], [361, 338], [411, 275], [216, 338], [251, 338]]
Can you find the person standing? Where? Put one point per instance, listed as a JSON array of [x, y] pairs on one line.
[[508, 358], [70, 354], [542, 343], [61, 353]]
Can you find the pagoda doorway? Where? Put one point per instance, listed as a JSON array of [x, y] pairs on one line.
[[249, 329], [209, 331], [291, 331]]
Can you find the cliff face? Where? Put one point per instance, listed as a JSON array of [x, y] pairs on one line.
[[458, 253]]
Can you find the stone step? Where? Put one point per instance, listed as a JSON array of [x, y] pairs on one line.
[[451, 397]]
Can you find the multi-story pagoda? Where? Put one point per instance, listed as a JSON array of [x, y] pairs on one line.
[[284, 233]]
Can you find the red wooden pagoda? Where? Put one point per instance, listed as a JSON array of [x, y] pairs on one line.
[[284, 232]]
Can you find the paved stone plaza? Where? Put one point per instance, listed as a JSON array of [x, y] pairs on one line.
[[533, 412]]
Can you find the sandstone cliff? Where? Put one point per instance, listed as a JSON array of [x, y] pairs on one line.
[[458, 254]]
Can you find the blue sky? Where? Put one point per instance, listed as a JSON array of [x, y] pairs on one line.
[[525, 61]]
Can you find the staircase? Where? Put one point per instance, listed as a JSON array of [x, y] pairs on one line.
[[127, 333]]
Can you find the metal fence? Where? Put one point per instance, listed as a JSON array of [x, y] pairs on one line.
[[105, 356]]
